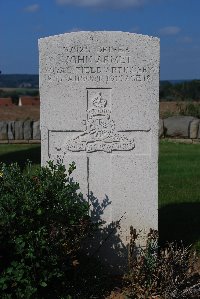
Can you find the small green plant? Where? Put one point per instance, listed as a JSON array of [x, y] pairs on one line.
[[161, 273], [43, 222]]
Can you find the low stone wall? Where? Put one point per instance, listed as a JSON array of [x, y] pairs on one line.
[[178, 127], [20, 131], [184, 127]]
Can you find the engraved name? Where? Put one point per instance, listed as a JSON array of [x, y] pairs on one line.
[[108, 64], [83, 59]]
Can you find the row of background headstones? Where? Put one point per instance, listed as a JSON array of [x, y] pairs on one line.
[[180, 126], [176, 126], [20, 130]]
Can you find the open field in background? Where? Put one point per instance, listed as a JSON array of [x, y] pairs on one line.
[[179, 186], [33, 112], [20, 113], [19, 90], [16, 93], [167, 108]]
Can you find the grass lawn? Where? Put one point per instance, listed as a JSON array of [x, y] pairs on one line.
[[179, 173], [20, 153], [179, 186], [179, 192]]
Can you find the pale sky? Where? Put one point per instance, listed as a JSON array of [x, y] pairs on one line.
[[175, 22]]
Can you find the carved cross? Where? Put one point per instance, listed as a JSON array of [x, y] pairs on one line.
[[99, 135]]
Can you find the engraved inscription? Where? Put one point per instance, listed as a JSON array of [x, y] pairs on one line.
[[100, 133], [100, 49], [101, 64]]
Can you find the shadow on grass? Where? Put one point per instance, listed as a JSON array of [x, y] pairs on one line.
[[32, 154], [180, 222]]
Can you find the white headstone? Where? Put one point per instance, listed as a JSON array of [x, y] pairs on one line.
[[99, 107]]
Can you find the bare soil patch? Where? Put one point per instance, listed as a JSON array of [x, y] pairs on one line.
[[20, 112], [170, 108]]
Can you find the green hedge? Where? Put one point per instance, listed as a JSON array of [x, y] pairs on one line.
[[43, 222]]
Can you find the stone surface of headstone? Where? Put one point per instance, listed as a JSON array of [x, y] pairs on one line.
[[36, 130], [100, 108], [28, 129], [178, 126], [3, 130], [11, 130], [19, 130]]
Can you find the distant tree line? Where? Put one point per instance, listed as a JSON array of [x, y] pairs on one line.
[[182, 91], [19, 81]]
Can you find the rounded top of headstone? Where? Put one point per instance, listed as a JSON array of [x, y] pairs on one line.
[[100, 33]]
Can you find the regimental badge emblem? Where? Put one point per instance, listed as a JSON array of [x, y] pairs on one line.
[[100, 133]]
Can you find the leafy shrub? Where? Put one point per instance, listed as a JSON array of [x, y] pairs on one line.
[[161, 273], [43, 221]]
